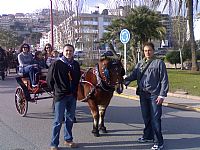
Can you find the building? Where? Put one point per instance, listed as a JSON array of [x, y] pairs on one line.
[[84, 30], [6, 21]]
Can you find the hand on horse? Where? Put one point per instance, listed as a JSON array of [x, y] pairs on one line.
[[126, 83]]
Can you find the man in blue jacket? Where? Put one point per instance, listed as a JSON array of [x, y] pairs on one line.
[[152, 80], [63, 78]]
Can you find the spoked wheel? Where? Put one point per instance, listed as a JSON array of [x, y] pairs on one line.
[[20, 102]]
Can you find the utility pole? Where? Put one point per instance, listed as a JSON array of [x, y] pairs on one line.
[[51, 21]]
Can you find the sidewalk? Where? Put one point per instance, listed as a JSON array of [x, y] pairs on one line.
[[178, 101]]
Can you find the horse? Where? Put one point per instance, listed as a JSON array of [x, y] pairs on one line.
[[97, 86]]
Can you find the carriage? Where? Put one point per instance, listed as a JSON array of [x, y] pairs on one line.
[[25, 93]]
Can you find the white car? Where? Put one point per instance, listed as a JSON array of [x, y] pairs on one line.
[[79, 54]]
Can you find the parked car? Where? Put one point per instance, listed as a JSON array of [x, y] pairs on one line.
[[79, 54]]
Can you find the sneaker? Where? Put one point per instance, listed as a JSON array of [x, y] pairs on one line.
[[71, 144], [157, 147], [143, 140]]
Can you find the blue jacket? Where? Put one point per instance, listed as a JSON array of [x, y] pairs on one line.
[[154, 79], [59, 81]]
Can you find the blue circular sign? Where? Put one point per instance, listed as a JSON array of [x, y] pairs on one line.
[[124, 36]]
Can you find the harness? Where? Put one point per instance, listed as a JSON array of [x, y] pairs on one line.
[[101, 83]]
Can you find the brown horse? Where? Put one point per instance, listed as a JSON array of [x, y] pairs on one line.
[[97, 87]]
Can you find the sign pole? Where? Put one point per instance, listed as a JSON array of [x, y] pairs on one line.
[[124, 38], [125, 58]]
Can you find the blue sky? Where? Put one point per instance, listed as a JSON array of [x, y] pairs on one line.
[[29, 6]]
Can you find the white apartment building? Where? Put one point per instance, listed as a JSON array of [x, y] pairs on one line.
[[6, 21], [83, 31]]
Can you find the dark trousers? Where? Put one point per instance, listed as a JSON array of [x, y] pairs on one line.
[[151, 113]]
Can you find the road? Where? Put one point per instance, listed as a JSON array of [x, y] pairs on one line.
[[123, 120]]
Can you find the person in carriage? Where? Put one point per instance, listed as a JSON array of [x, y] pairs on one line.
[[2, 63], [47, 51], [40, 61], [42, 67], [26, 66], [54, 56]]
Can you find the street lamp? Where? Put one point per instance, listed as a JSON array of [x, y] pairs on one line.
[[51, 21]]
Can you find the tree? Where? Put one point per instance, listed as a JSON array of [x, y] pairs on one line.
[[173, 58], [9, 39], [189, 5], [35, 38], [144, 25]]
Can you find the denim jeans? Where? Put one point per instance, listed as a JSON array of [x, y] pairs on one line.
[[65, 107], [31, 71], [151, 113]]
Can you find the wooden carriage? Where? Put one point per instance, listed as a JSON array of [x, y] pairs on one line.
[[26, 93]]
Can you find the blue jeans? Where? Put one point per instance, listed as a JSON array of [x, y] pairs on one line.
[[65, 107], [31, 71], [151, 113]]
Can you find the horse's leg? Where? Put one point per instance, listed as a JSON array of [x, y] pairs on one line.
[[102, 111], [95, 115]]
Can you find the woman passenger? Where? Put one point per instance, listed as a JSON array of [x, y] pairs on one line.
[[47, 51], [26, 67]]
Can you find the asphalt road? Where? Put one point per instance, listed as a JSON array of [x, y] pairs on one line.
[[181, 129]]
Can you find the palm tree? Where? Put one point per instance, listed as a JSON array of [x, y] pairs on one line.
[[143, 25], [113, 30], [189, 6]]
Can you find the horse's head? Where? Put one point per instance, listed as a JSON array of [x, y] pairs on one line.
[[111, 71]]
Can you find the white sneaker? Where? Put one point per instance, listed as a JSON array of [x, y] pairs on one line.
[[157, 147]]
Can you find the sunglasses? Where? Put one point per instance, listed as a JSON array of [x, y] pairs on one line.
[[25, 47], [48, 47]]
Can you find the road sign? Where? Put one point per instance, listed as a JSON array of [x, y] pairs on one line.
[[124, 36]]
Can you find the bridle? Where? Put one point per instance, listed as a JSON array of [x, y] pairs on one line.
[[103, 72]]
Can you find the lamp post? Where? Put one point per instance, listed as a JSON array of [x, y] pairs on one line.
[[51, 21]]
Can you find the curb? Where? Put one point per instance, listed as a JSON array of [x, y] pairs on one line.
[[166, 104], [177, 95]]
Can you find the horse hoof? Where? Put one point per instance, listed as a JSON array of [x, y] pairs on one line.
[[95, 133], [103, 130]]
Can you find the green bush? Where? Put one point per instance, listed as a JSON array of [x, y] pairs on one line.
[[173, 57]]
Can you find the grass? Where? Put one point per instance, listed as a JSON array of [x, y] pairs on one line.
[[183, 80]]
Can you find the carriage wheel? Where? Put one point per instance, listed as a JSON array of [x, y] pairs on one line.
[[20, 102]]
